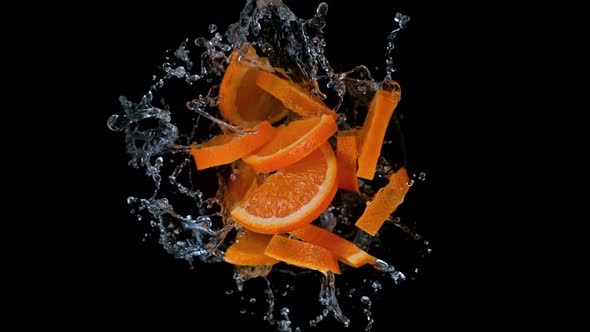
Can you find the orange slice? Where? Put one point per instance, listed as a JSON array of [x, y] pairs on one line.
[[385, 202], [346, 251], [291, 197], [302, 254], [347, 154], [292, 143], [240, 181], [249, 250], [242, 102], [373, 131], [226, 148], [293, 96]]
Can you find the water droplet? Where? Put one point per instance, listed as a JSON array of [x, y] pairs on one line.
[[365, 300], [229, 292], [243, 311], [212, 28], [253, 300], [422, 176], [376, 285], [284, 311], [117, 122]]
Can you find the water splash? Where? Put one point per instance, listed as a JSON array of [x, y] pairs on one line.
[[189, 217]]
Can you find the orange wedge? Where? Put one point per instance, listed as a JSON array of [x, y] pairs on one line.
[[293, 96], [346, 251], [292, 143], [239, 182], [249, 250], [302, 254], [385, 202], [373, 131], [347, 154], [241, 101], [226, 148], [291, 197]]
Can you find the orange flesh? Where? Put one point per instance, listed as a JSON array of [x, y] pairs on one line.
[[293, 96], [347, 154], [249, 250], [292, 143], [346, 251], [302, 254], [291, 197], [226, 148], [385, 202], [373, 131]]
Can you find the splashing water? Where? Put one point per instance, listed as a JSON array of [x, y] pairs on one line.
[[189, 216]]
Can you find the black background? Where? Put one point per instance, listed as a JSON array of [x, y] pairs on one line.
[[495, 97]]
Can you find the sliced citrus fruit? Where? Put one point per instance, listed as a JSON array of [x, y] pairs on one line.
[[240, 181], [347, 154], [249, 250], [292, 143], [373, 131], [293, 96], [302, 254], [291, 197], [241, 101], [385, 202], [226, 148], [346, 251]]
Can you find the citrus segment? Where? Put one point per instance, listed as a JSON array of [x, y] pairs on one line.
[[384, 203], [292, 143], [347, 154], [293, 96], [226, 148], [249, 250], [291, 197], [241, 101], [346, 251], [373, 131], [302, 254]]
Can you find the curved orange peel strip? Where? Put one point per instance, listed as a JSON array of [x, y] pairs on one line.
[[384, 203], [292, 143], [302, 254], [239, 183], [226, 148], [347, 154], [293, 96], [249, 250], [346, 251], [372, 133]]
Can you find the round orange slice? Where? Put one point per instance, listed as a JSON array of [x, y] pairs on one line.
[[373, 131], [347, 154], [249, 250], [226, 148], [384, 203], [346, 251], [292, 143], [241, 101], [293, 96], [302, 254], [291, 197]]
